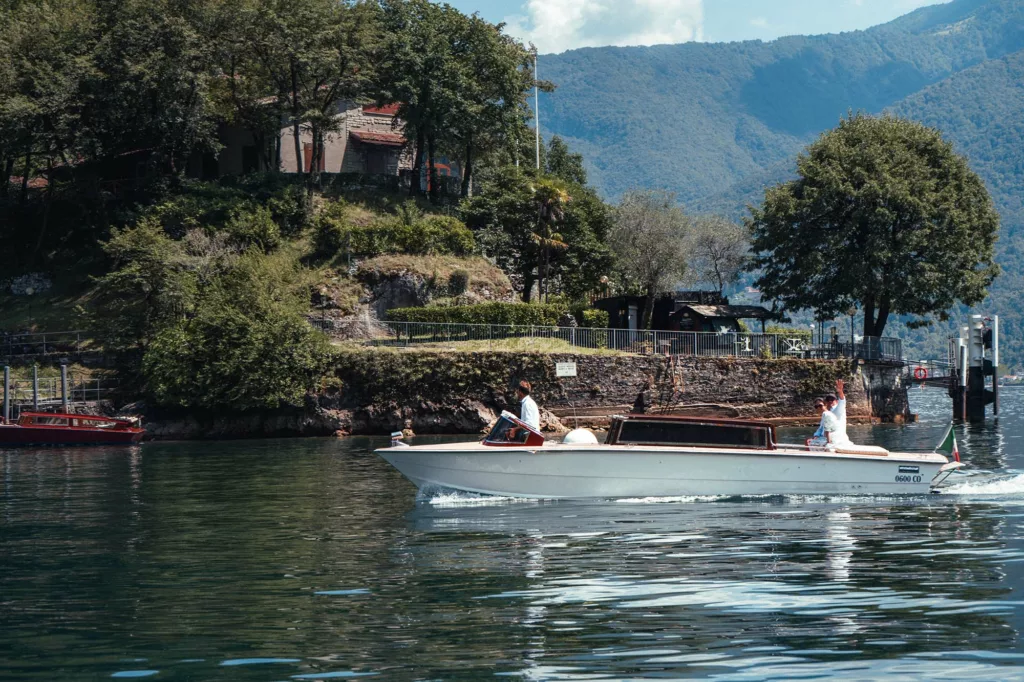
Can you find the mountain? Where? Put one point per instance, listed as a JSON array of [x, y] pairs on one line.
[[716, 123]]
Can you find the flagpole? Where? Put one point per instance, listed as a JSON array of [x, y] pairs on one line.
[[536, 107]]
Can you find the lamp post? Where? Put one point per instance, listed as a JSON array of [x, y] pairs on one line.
[[852, 311], [28, 292]]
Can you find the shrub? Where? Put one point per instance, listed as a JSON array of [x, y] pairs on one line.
[[438, 234], [331, 229], [292, 209], [483, 313], [254, 227], [591, 317], [432, 235], [458, 282], [247, 346]]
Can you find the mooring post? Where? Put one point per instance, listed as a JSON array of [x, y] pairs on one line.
[[995, 365], [962, 402], [35, 387], [7, 394], [64, 388]]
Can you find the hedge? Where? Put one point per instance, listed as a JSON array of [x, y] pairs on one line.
[[483, 313], [433, 234], [502, 313], [591, 317]]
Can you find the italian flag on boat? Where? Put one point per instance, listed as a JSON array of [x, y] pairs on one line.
[[948, 446]]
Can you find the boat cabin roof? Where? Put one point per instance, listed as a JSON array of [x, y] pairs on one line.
[[709, 432], [66, 419]]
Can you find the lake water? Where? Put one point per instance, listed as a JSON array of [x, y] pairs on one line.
[[312, 559]]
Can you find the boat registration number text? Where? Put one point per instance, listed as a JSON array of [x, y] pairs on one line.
[[904, 478]]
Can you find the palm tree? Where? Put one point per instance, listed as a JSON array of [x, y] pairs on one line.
[[551, 199]]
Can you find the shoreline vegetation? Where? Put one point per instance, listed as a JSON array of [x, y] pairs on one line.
[[210, 296]]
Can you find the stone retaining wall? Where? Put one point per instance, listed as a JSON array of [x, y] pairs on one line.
[[376, 391], [432, 392]]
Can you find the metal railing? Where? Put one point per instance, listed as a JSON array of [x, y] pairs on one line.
[[704, 344], [48, 343], [46, 393]]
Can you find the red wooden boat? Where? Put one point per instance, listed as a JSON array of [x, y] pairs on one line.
[[59, 428]]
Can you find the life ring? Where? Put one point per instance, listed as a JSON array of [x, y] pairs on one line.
[[920, 373]]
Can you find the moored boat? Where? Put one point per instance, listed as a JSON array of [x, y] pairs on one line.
[[62, 428], [658, 456]]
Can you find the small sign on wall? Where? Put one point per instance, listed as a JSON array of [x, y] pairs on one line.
[[565, 369]]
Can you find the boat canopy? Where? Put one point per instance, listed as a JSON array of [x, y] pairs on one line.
[[691, 431], [509, 430]]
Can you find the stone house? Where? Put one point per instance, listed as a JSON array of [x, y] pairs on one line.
[[368, 140]]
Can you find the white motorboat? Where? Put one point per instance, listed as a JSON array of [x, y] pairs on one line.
[[661, 456]]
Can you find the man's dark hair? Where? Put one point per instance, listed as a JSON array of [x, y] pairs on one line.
[[831, 398], [524, 386]]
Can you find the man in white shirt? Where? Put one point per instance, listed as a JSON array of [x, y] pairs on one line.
[[827, 428], [837, 406], [528, 410]]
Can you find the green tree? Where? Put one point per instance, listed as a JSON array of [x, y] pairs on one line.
[[246, 347], [147, 287], [516, 217], [459, 82], [563, 164], [551, 199], [883, 214], [151, 88], [650, 242], [491, 111], [719, 251], [313, 55]]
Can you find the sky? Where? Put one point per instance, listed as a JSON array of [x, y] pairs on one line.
[[559, 25]]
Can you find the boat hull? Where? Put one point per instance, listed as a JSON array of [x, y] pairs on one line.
[[14, 435], [623, 471]]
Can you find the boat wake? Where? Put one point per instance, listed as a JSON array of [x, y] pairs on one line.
[[985, 484], [444, 498]]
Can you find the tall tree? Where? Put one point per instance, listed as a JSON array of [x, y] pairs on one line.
[[491, 112], [720, 251], [506, 217], [883, 214], [562, 163], [551, 199], [459, 82], [650, 241], [315, 54], [151, 91]]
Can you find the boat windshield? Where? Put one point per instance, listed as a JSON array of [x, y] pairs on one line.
[[693, 433], [510, 431]]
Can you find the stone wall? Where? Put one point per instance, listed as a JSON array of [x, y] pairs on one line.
[[430, 392], [377, 391]]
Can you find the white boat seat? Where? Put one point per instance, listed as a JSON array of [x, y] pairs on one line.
[[872, 450]]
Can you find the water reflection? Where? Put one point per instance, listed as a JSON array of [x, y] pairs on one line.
[[315, 560]]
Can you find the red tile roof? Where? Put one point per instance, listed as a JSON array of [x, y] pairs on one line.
[[386, 110], [382, 139]]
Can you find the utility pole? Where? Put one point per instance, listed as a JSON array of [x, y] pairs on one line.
[[536, 106]]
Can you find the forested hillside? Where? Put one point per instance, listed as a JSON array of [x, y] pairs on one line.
[[717, 122]]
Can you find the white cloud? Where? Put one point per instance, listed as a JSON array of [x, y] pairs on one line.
[[559, 25], [759, 22]]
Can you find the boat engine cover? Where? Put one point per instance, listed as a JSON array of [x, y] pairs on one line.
[[580, 437]]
